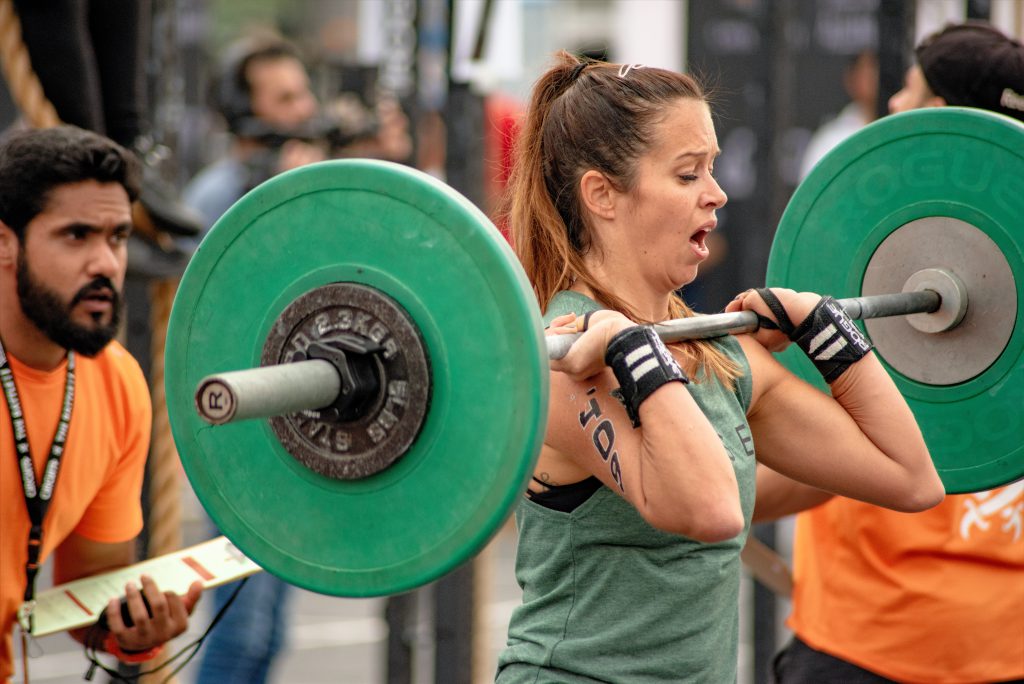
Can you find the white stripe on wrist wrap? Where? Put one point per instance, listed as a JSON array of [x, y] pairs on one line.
[[641, 363], [830, 339]]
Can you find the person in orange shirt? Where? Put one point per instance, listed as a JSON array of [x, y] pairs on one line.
[[74, 406], [938, 596]]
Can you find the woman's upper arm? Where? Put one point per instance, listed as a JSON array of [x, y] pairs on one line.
[[673, 468], [588, 425], [795, 425], [807, 435]]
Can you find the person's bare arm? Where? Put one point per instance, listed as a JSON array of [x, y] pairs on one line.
[[779, 496], [673, 468], [859, 441]]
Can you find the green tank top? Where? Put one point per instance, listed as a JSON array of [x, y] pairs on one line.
[[607, 597]]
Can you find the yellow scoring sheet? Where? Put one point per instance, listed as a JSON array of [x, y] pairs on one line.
[[79, 603]]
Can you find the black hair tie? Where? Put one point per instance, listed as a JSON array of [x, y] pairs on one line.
[[586, 321]]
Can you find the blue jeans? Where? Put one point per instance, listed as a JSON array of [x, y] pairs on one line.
[[242, 647]]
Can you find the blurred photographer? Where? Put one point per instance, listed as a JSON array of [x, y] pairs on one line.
[[264, 95]]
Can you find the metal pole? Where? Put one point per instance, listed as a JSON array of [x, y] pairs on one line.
[[400, 613], [764, 604], [895, 48], [718, 325], [308, 385], [454, 604]]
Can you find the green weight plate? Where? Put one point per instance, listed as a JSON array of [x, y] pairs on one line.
[[440, 259], [919, 169]]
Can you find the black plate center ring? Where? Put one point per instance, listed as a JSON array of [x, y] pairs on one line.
[[391, 419]]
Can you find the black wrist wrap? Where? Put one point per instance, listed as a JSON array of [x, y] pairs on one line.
[[830, 339], [642, 364]]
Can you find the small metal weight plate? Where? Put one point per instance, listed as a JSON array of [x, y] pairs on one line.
[[965, 351], [444, 264], [369, 444], [946, 185]]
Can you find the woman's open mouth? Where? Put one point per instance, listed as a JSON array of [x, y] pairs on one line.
[[698, 243]]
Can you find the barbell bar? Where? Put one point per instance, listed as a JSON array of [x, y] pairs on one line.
[[313, 384], [391, 487], [716, 325]]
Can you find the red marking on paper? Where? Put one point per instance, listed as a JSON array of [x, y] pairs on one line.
[[77, 602], [200, 570]]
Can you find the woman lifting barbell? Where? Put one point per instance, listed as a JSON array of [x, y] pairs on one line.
[[642, 496]]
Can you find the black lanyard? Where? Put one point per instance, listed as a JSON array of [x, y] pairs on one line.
[[37, 498]]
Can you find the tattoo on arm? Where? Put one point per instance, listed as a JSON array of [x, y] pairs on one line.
[[603, 436], [593, 409]]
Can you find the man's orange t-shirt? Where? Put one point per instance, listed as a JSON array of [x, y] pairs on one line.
[[933, 597], [100, 481]]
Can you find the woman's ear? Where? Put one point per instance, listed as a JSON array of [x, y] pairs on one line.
[[598, 194]]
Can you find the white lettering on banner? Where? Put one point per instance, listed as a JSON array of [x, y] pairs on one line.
[[398, 65]]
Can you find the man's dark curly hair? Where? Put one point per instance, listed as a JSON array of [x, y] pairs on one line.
[[34, 162]]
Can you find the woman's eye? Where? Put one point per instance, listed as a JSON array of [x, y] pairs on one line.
[[688, 177]]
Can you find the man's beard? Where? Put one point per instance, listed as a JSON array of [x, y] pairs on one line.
[[44, 308]]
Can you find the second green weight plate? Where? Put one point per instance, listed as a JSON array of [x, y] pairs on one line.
[[946, 166]]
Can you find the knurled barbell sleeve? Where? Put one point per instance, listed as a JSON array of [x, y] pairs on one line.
[[267, 391]]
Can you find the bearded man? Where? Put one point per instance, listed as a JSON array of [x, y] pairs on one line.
[[74, 407]]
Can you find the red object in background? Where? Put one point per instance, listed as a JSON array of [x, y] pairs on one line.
[[502, 115]]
